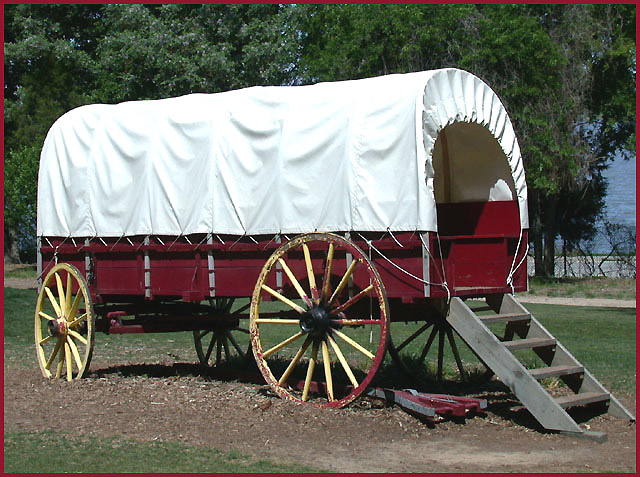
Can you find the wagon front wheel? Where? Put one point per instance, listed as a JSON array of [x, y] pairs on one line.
[[64, 324], [319, 309]]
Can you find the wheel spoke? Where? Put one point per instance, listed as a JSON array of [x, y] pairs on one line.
[[310, 368], [67, 299], [44, 340], [63, 305], [68, 358], [278, 321], [78, 336], [283, 299], [235, 344], [440, 353], [312, 278], [219, 351], [456, 354], [353, 300], [53, 301], [60, 366], [343, 281], [76, 304], [327, 369], [343, 361], [210, 348], [53, 354], [413, 336], [74, 352], [427, 345], [327, 273], [281, 345], [202, 334], [356, 322], [45, 316], [225, 345], [354, 344], [241, 309], [294, 282], [294, 361], [78, 320]]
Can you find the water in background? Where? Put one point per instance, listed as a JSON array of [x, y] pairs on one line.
[[621, 192], [620, 206], [620, 203]]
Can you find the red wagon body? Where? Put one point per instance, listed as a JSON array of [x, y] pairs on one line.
[[475, 249]]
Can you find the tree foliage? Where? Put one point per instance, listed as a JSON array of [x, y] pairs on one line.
[[566, 74], [58, 57]]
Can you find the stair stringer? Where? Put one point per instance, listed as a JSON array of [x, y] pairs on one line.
[[509, 369]]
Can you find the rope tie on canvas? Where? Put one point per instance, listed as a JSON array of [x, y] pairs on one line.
[[443, 278], [514, 268], [373, 247]]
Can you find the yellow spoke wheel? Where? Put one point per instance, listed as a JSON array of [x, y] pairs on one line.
[[319, 320], [64, 324]]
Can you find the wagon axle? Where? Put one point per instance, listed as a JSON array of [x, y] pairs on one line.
[[315, 321], [57, 328]]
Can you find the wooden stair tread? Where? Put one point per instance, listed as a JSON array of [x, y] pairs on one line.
[[582, 399], [529, 343], [480, 308], [505, 317], [541, 373]]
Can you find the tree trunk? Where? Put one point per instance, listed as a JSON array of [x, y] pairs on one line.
[[535, 232], [11, 251], [550, 231]]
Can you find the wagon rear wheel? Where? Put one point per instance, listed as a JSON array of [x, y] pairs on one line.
[[319, 309], [429, 350], [227, 340], [64, 324]]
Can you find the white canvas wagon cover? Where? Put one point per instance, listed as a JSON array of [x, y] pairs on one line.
[[351, 155]]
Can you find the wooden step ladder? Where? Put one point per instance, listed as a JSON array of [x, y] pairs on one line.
[[523, 331]]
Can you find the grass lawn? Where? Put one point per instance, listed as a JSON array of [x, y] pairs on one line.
[[119, 455], [586, 287]]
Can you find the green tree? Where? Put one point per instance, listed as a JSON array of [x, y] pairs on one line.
[[21, 171], [565, 73], [47, 69], [169, 50], [58, 57]]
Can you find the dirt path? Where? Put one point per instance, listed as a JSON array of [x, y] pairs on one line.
[[366, 437], [556, 300]]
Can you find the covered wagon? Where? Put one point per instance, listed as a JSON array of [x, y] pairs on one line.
[[319, 214]]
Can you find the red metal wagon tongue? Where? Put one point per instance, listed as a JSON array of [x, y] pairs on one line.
[[427, 404]]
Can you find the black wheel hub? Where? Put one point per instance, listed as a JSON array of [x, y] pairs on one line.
[[315, 321]]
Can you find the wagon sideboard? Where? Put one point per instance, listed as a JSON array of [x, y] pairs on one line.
[[473, 256]]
